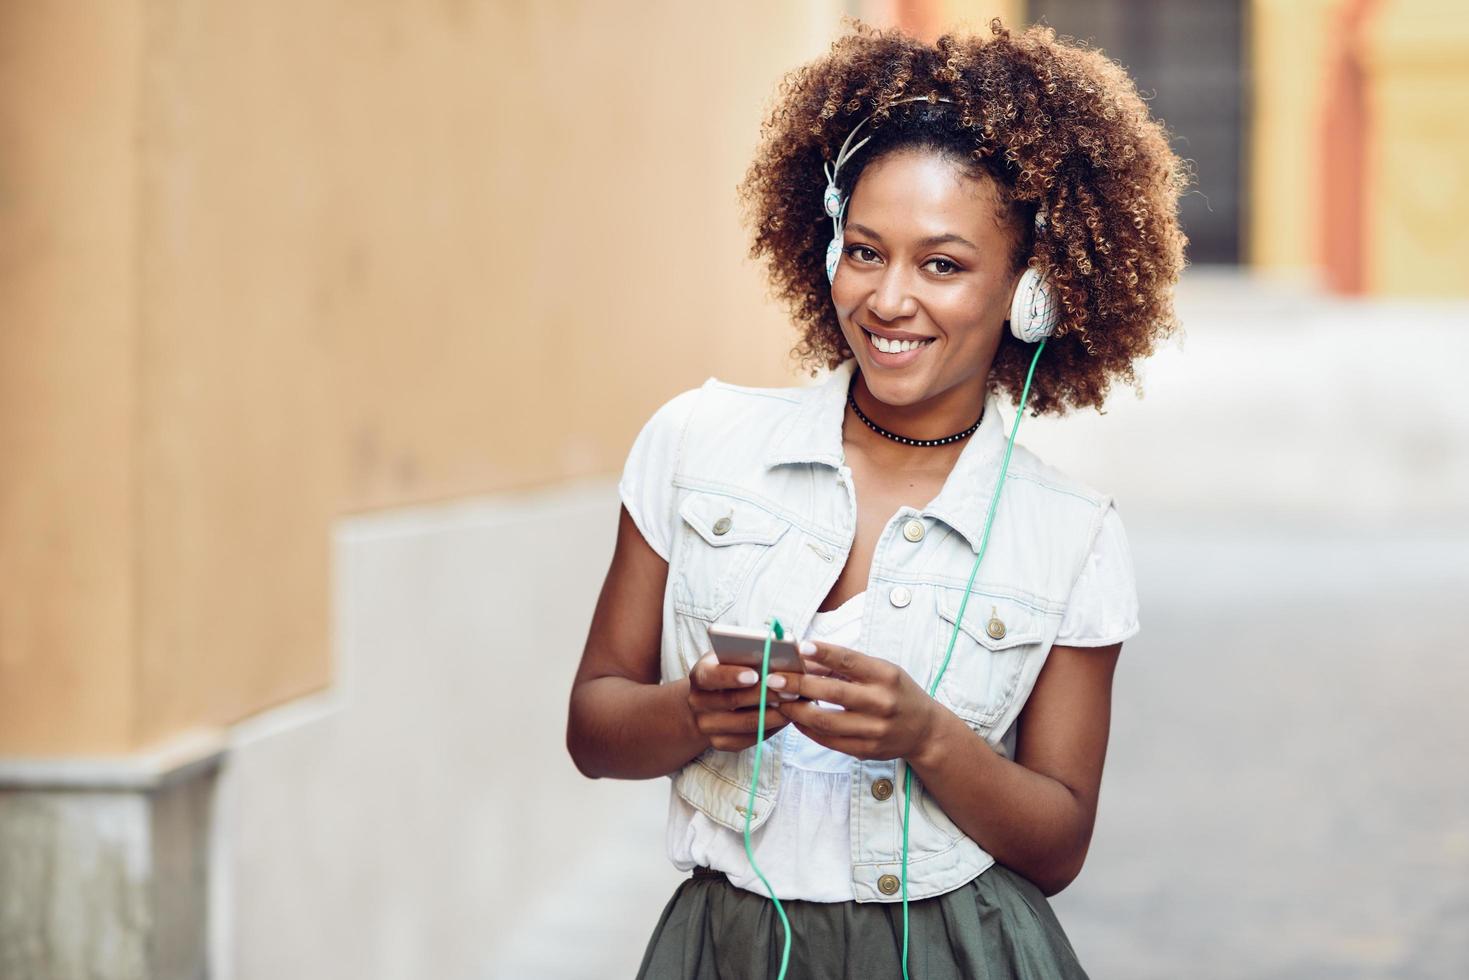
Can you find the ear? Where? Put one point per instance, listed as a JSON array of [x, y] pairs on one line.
[[1011, 296], [1015, 279]]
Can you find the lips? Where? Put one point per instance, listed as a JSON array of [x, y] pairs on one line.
[[893, 334]]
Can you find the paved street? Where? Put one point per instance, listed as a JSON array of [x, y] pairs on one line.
[[1284, 794]]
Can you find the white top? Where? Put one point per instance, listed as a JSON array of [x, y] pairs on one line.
[[804, 846]]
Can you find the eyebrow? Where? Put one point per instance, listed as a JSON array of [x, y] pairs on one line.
[[928, 242]]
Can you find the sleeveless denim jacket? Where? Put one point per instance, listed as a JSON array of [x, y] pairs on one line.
[[766, 514]]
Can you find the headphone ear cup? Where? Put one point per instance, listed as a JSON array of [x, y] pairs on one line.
[[833, 256], [1033, 310]]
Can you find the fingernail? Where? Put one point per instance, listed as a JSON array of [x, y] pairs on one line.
[[807, 647], [776, 681], [748, 677], [788, 696]]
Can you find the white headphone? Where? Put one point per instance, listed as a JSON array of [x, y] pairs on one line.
[[1033, 309]]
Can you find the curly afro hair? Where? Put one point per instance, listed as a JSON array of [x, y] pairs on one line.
[[1059, 128]]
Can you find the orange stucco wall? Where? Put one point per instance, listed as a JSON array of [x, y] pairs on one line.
[[68, 379], [266, 264]]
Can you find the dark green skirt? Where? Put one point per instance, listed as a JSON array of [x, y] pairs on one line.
[[999, 925]]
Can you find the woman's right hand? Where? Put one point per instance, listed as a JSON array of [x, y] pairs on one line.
[[723, 699]]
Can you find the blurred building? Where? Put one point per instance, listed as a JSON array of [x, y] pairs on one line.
[[284, 285]]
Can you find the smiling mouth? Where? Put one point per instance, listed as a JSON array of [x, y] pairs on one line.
[[887, 346]]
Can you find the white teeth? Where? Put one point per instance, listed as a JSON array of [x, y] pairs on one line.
[[895, 346]]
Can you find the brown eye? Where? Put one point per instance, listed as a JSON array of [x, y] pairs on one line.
[[949, 267], [859, 252]]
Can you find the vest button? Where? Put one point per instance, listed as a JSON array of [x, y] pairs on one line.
[[882, 788], [995, 628], [722, 525], [913, 530], [900, 596], [889, 884]]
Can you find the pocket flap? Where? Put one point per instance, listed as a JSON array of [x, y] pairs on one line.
[[996, 622], [722, 520]]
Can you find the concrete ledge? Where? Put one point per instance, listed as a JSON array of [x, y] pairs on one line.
[[105, 863], [182, 757]]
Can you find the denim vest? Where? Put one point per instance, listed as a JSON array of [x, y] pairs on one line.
[[766, 514]]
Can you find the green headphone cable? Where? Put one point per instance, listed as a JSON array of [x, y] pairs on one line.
[[778, 633]]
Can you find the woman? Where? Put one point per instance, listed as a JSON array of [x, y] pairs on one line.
[[932, 775]]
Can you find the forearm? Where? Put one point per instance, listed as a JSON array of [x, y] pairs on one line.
[[624, 729], [1028, 821]]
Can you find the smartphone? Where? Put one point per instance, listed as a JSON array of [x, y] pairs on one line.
[[746, 648]]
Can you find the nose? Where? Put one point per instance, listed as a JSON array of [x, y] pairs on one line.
[[893, 298]]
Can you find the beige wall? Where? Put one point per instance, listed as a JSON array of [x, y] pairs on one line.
[[68, 379], [266, 264]]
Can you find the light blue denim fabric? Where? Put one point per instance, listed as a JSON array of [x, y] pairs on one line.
[[770, 461]]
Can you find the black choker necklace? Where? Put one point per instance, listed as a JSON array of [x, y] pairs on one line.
[[852, 400]]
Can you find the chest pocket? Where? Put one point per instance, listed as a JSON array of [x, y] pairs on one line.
[[725, 540], [997, 637]]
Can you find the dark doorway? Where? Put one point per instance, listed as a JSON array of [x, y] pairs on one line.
[[1187, 58]]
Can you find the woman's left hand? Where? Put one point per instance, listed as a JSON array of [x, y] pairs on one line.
[[887, 716]]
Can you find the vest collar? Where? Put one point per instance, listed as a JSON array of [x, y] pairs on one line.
[[813, 434]]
